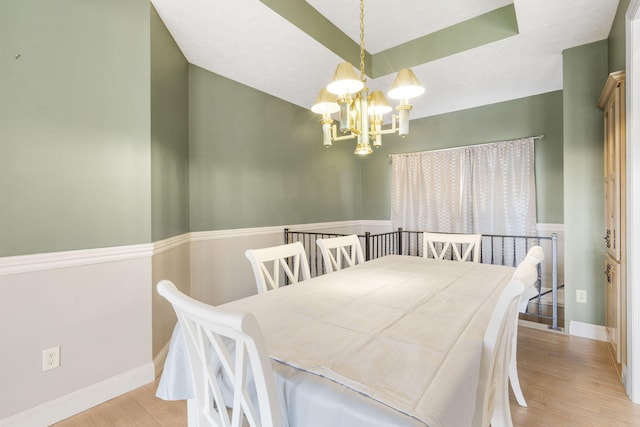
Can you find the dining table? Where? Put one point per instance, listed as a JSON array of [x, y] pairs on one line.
[[394, 341]]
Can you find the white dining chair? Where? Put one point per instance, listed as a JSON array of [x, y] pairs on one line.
[[527, 273], [464, 247], [235, 341], [534, 257], [268, 263], [340, 252], [492, 400]]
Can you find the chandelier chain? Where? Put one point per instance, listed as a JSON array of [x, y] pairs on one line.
[[362, 40]]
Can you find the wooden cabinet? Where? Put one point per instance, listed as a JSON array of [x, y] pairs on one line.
[[612, 102], [612, 304]]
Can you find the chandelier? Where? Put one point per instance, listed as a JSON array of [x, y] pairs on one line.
[[360, 113]]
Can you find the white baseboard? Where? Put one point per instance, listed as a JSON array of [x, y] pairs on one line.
[[80, 400], [587, 330]]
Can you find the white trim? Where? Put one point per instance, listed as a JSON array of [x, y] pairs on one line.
[[548, 228], [47, 261], [170, 243], [321, 225], [242, 232], [631, 373], [587, 330], [375, 223], [51, 260], [80, 400], [197, 236]]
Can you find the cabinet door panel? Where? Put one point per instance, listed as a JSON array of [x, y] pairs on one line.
[[612, 304]]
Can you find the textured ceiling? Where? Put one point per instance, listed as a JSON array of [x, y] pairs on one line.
[[290, 48]]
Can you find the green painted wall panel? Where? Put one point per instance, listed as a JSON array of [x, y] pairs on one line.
[[531, 116], [169, 134], [74, 125], [259, 161], [585, 72], [617, 39], [481, 30]]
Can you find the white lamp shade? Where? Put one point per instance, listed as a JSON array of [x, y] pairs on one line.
[[325, 103], [345, 80], [405, 86], [378, 104]]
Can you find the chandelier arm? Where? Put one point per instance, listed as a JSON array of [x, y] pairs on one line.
[[333, 137], [393, 128], [345, 137]]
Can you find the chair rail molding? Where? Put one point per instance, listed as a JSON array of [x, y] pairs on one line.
[[51, 260]]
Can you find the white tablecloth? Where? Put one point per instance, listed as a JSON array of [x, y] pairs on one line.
[[405, 331]]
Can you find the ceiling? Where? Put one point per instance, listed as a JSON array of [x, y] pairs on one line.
[[466, 53]]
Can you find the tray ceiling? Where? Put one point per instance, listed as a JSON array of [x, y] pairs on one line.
[[466, 53]]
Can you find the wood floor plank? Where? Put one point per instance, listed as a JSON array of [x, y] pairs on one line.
[[167, 413], [567, 382]]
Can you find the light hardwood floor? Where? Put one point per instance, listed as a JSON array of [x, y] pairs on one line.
[[567, 381]]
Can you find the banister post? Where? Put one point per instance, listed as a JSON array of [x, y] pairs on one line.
[[554, 280], [367, 246]]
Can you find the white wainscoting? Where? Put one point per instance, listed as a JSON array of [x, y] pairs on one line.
[[171, 262], [220, 272], [95, 305]]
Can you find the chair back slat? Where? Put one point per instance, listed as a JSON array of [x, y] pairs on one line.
[[340, 252], [461, 247], [267, 264], [230, 346]]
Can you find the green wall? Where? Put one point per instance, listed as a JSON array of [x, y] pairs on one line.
[[585, 72], [112, 138], [74, 125], [617, 40], [169, 134], [531, 116], [255, 160]]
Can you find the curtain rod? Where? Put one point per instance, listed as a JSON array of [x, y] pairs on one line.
[[474, 145]]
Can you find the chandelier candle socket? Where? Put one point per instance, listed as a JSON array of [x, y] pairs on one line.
[[361, 114]]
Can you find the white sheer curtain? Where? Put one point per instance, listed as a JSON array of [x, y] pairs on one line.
[[487, 189]]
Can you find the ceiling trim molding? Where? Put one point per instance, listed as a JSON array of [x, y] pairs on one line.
[[481, 30], [487, 28]]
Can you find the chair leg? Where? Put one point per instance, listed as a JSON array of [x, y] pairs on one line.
[[501, 416], [515, 381]]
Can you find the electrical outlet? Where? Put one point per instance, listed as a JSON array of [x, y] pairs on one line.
[[50, 358], [581, 296]]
